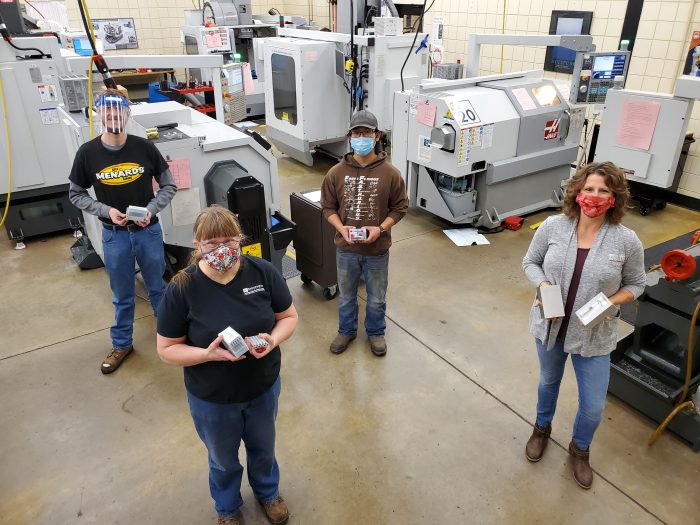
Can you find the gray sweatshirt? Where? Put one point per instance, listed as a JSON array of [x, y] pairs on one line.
[[615, 261]]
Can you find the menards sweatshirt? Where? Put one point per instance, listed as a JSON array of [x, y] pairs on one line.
[[364, 196]]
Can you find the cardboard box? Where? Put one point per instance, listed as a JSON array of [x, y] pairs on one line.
[[121, 89], [551, 303]]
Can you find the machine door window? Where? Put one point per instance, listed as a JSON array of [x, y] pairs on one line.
[[284, 93], [546, 95]]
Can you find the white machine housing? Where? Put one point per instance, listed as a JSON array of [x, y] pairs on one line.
[[204, 143], [299, 113], [481, 149], [40, 163], [657, 165], [306, 102]]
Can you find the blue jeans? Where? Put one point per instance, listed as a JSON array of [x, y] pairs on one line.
[[592, 376], [375, 269], [122, 250], [221, 427]]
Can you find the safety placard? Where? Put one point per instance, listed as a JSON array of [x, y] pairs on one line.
[[464, 113], [254, 250], [47, 92], [424, 148], [464, 151], [49, 116]]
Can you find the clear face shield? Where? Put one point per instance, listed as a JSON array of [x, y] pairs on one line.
[[113, 112]]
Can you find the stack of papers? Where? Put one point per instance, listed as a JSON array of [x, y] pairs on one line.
[[466, 236]]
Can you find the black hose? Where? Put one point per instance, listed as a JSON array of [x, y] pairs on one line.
[[8, 38], [97, 59], [87, 27], [29, 49], [353, 57], [420, 19]]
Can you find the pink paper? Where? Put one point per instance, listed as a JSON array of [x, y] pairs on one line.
[[637, 123], [524, 99], [248, 86], [180, 168], [213, 40], [426, 114]]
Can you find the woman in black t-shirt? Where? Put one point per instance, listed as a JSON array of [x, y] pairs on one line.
[[231, 398]]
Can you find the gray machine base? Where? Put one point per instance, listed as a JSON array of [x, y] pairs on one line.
[[642, 391]]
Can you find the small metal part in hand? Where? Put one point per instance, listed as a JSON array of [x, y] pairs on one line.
[[258, 343]]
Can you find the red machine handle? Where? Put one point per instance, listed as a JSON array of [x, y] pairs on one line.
[[678, 265]]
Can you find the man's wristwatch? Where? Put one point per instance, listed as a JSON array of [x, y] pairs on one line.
[[381, 229]]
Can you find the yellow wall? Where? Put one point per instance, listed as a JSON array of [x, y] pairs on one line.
[[659, 51], [157, 22]]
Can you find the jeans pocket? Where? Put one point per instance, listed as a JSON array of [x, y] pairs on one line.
[[107, 235], [154, 229]]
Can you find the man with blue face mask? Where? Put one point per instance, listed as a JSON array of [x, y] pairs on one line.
[[362, 197]]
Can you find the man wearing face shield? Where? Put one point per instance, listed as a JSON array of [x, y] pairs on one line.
[[363, 196], [121, 168]]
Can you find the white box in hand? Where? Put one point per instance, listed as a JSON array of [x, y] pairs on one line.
[[233, 342], [595, 310], [551, 304], [136, 213]]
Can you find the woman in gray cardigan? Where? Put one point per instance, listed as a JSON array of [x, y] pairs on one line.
[[585, 251]]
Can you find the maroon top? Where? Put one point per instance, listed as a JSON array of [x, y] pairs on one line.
[[581, 254]]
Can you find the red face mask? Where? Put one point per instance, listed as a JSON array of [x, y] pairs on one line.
[[594, 206]]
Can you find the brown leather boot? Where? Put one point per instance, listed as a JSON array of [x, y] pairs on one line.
[[583, 473], [534, 450]]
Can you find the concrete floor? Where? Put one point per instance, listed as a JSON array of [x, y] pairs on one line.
[[433, 433]]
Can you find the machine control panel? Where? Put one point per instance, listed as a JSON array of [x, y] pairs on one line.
[[596, 73], [233, 92]]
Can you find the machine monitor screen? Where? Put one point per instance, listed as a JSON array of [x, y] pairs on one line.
[[609, 66], [561, 59], [235, 80]]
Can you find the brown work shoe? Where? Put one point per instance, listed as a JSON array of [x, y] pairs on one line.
[[341, 342], [231, 520], [114, 359], [583, 473], [378, 345], [534, 450], [276, 511]]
